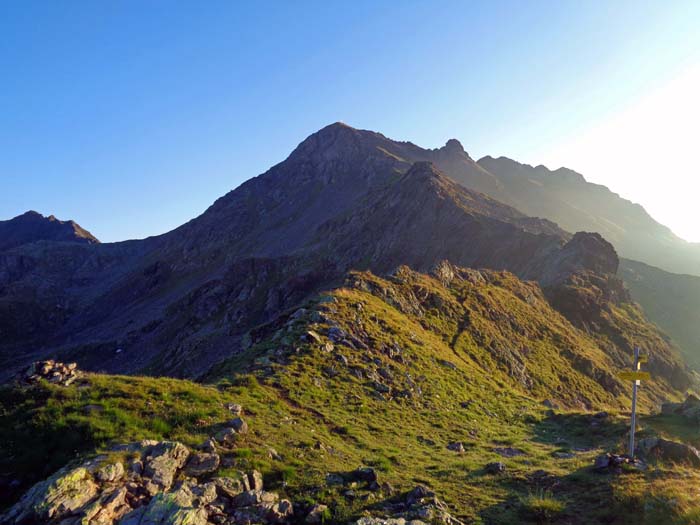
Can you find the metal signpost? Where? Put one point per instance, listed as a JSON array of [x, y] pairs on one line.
[[635, 376]]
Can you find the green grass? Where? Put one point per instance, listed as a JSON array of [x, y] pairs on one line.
[[467, 362], [541, 506]]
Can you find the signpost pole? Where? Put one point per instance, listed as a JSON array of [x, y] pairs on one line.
[[634, 403]]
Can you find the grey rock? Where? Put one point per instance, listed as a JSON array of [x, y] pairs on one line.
[[202, 463], [60, 495], [239, 425], [496, 467], [110, 472], [255, 480], [317, 514], [164, 461], [456, 446], [226, 437], [231, 487]]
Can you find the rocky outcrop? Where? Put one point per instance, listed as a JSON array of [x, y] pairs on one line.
[[51, 371], [163, 483]]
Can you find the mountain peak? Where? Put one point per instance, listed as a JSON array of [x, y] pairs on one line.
[[32, 226], [455, 146]]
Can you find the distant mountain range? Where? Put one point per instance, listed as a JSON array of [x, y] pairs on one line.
[[344, 200]]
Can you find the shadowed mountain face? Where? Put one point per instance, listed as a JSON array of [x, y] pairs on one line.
[[32, 227], [672, 301], [565, 197], [344, 200]]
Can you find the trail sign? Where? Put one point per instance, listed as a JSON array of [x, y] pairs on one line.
[[634, 376]]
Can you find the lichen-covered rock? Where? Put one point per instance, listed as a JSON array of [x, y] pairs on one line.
[[110, 472], [164, 461], [231, 487], [109, 507], [62, 494], [99, 493], [174, 508]]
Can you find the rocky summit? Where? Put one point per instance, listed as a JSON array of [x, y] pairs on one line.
[[368, 333]]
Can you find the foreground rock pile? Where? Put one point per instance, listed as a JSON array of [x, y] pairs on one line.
[[51, 371], [150, 483]]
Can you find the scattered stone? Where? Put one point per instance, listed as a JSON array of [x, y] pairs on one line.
[[226, 437], [89, 410], [456, 446], [367, 474], [509, 452], [317, 514], [496, 467], [240, 426], [563, 455], [272, 454], [313, 336], [334, 479], [234, 408], [336, 334], [209, 446], [550, 404], [447, 364]]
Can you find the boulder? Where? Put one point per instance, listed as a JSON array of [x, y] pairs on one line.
[[202, 463], [667, 450], [164, 461], [255, 480], [231, 487]]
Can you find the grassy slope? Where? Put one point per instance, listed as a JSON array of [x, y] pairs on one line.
[[479, 382]]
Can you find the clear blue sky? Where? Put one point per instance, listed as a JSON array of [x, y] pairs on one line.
[[133, 117]]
